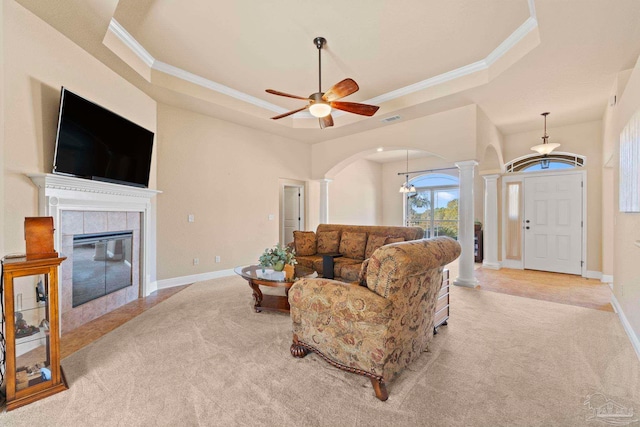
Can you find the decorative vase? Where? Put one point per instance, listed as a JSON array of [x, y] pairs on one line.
[[289, 272], [278, 266]]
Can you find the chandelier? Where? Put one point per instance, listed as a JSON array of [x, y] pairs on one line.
[[545, 148], [406, 188]]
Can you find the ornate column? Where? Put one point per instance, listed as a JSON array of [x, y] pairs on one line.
[[491, 222], [465, 225], [324, 200]]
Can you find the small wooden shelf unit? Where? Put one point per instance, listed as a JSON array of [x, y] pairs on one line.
[[32, 328]]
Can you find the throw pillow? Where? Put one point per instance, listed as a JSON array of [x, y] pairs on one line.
[[328, 242], [353, 245], [304, 242], [374, 242], [394, 239]]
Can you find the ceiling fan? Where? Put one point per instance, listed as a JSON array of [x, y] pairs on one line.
[[321, 103]]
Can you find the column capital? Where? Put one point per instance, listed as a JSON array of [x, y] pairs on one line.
[[491, 177], [467, 164], [321, 180]]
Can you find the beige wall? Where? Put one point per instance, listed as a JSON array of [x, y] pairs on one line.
[[450, 135], [626, 265], [355, 194], [38, 60], [584, 139], [227, 176], [609, 147], [3, 91]]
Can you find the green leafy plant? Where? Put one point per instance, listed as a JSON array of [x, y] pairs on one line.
[[278, 256]]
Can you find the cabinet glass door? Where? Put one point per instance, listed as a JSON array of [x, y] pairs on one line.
[[31, 330]]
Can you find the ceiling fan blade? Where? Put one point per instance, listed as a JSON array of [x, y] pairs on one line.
[[326, 121], [340, 90], [288, 95], [354, 107], [290, 113]]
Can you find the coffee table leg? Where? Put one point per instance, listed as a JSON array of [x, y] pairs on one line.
[[257, 296]]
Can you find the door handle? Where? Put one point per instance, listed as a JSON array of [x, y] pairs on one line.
[[527, 221], [527, 227]]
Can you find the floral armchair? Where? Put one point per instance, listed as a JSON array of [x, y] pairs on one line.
[[378, 329]]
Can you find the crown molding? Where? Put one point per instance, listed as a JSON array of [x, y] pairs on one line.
[[510, 42], [129, 41], [217, 87]]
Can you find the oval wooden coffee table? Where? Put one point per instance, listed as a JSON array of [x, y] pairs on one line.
[[256, 277]]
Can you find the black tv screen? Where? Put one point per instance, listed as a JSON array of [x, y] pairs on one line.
[[95, 143]]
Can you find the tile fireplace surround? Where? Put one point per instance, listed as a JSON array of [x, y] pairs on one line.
[[82, 206]]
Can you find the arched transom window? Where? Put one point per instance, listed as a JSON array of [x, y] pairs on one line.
[[537, 162]]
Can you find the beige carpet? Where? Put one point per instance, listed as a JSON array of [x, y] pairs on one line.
[[203, 357]]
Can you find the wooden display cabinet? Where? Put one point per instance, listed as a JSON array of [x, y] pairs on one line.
[[32, 330]]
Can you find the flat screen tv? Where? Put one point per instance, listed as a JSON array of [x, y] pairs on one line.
[[95, 143]]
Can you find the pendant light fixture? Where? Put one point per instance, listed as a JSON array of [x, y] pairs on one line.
[[545, 148], [406, 188]]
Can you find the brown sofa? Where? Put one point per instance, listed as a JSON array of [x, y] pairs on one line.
[[377, 330], [354, 242]]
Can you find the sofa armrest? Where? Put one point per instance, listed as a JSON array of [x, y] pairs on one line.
[[326, 297]]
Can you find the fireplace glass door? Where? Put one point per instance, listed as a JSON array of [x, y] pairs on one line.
[[101, 264]]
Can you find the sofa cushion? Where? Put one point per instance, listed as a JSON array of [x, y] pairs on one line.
[[374, 242], [393, 239], [305, 242], [309, 261], [328, 242], [349, 272], [353, 244], [344, 265]]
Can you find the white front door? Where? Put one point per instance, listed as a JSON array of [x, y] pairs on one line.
[[292, 219], [553, 223]]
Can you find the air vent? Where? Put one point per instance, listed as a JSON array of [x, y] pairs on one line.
[[390, 119]]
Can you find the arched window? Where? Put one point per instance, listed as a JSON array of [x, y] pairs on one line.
[[434, 205], [537, 162]]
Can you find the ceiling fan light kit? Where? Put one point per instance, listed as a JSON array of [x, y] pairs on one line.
[[545, 148], [318, 107], [322, 103]]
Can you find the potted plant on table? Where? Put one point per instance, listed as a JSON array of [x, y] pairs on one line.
[[279, 258]]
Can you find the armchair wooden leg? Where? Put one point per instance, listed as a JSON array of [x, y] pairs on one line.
[[380, 388], [298, 350]]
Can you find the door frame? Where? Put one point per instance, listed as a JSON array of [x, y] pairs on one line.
[[301, 185], [519, 177]]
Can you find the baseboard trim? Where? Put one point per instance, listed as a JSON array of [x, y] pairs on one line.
[[491, 265], [467, 283], [187, 280], [513, 264], [589, 274], [635, 341], [607, 278]]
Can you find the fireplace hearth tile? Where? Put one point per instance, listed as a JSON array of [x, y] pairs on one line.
[[71, 222], [95, 222], [116, 221], [133, 220], [67, 296]]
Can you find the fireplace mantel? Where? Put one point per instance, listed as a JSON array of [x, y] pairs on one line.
[[57, 193]]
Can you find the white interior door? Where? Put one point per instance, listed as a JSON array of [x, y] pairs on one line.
[[553, 223], [292, 218]]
